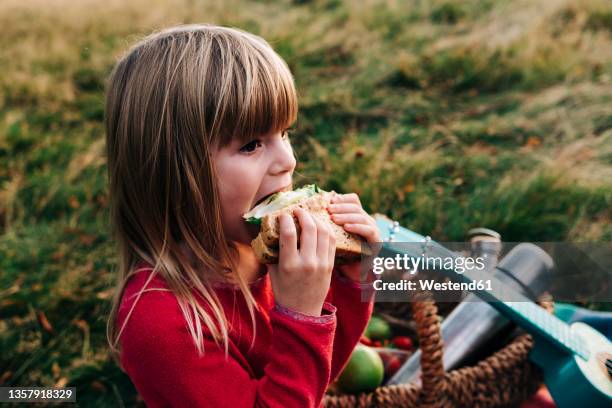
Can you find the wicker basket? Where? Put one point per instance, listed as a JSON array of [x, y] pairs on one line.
[[504, 379]]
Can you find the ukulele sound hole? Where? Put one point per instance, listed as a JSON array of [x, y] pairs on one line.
[[604, 361]]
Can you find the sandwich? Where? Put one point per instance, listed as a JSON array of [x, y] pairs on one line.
[[266, 214]]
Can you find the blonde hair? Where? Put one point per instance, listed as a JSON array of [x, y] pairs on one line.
[[171, 100]]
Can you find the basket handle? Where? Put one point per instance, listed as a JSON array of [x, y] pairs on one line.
[[425, 313]]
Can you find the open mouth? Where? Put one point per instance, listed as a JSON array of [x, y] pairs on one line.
[[264, 198]]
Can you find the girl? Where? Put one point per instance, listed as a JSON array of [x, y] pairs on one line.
[[197, 119]]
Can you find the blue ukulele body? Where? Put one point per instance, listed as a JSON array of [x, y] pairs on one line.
[[572, 380]]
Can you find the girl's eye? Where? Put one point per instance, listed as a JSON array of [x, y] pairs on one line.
[[251, 146]]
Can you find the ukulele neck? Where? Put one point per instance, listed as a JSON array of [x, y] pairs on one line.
[[531, 317]]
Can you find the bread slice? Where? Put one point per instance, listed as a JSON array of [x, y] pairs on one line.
[[265, 245], [264, 253]]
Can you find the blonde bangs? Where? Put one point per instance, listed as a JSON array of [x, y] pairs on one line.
[[257, 94]]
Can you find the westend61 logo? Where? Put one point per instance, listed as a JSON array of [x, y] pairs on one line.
[[567, 271], [413, 265]]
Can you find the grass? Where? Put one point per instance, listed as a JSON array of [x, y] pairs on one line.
[[444, 115]]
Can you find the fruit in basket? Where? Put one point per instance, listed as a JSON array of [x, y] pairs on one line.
[[364, 371], [365, 340], [392, 359], [378, 329], [392, 366], [403, 343]]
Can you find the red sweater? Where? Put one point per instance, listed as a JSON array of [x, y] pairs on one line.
[[294, 357]]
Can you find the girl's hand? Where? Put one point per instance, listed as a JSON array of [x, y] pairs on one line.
[[302, 277], [346, 210]]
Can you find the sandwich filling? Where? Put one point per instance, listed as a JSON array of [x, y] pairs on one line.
[[278, 201]]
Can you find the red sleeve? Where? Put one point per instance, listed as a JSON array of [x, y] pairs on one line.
[[354, 302], [162, 361]]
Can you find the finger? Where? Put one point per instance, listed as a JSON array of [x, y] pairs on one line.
[[308, 236], [352, 218], [369, 232], [346, 198], [332, 248], [322, 239], [288, 237], [345, 208]]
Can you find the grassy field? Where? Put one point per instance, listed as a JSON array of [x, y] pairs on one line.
[[444, 115]]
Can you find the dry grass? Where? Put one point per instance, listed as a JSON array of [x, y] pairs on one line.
[[444, 115]]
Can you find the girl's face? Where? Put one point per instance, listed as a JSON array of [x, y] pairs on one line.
[[246, 174]]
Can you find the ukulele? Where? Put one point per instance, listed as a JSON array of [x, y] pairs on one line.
[[576, 359]]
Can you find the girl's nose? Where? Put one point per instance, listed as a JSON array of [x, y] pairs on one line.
[[283, 158]]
